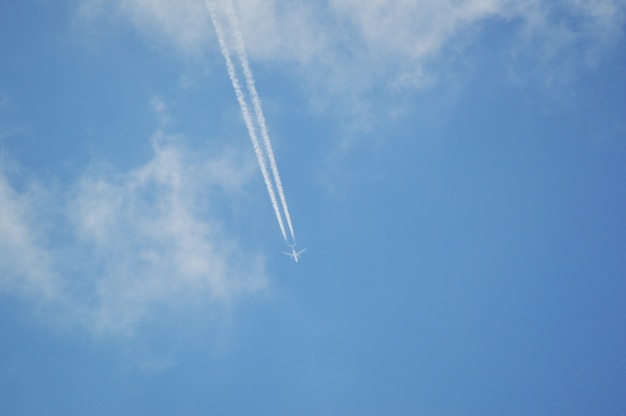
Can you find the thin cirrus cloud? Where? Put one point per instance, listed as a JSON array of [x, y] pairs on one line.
[[25, 265], [182, 24], [112, 251], [147, 229], [393, 42], [141, 241]]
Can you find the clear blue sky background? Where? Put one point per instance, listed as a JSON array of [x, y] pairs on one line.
[[456, 170]]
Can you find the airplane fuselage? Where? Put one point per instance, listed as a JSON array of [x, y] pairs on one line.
[[295, 255]]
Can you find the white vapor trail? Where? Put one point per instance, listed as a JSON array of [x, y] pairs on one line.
[[246, 116], [243, 59]]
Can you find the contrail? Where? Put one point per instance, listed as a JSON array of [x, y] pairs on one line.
[[234, 79], [243, 59]]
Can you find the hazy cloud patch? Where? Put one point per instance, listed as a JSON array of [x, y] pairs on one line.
[[394, 41], [26, 266], [119, 249], [182, 24]]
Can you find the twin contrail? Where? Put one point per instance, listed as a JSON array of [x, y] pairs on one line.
[[270, 181]]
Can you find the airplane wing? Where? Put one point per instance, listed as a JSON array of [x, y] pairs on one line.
[[301, 251], [289, 254]]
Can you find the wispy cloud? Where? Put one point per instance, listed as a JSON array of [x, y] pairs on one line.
[[26, 267], [115, 249], [365, 59], [182, 24], [399, 36], [148, 230]]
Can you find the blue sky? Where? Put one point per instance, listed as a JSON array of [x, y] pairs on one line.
[[455, 170]]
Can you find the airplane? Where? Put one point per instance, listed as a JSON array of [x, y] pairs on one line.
[[294, 254]]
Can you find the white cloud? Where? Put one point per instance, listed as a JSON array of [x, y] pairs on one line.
[[411, 29], [147, 225], [346, 49], [132, 244], [26, 267], [182, 23]]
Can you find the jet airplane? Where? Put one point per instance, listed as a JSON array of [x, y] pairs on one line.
[[295, 255]]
